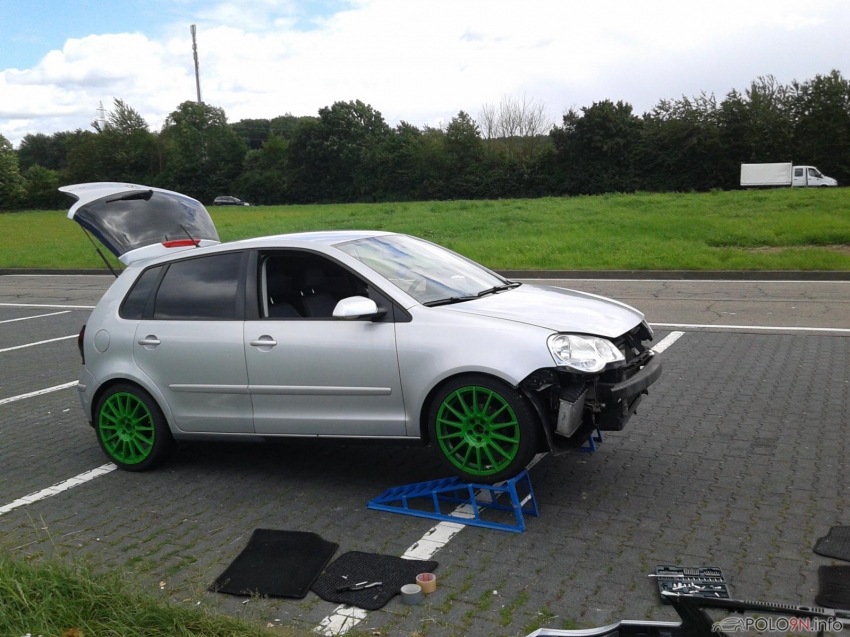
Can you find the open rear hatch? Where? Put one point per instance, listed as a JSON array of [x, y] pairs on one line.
[[140, 222]]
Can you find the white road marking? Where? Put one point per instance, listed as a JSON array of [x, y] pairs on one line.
[[73, 307], [833, 330], [667, 341], [40, 392], [344, 617], [70, 483], [26, 318], [50, 340]]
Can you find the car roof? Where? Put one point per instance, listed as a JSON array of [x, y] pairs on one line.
[[327, 238]]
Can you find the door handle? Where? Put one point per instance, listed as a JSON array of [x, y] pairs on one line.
[[264, 341], [149, 340]]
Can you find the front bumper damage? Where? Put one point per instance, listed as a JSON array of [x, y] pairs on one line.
[[572, 406]]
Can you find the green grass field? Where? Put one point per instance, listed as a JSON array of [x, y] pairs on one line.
[[737, 230]]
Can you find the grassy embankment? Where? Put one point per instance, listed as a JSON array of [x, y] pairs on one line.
[[53, 599], [737, 230]]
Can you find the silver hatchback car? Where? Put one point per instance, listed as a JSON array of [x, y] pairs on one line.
[[349, 334]]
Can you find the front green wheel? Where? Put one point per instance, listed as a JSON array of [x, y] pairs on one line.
[[483, 429], [131, 428]]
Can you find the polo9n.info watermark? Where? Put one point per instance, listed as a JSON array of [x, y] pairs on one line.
[[775, 625]]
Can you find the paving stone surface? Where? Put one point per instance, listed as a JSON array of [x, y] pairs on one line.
[[738, 459]]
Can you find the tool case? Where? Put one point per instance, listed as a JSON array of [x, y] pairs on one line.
[[698, 581]]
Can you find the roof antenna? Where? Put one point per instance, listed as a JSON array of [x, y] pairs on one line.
[[111, 269]]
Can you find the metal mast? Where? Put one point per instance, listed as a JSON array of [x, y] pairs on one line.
[[194, 30]]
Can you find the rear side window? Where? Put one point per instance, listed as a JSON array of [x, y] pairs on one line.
[[133, 307], [798, 172], [203, 289]]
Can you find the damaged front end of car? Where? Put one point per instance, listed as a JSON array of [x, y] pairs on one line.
[[596, 383]]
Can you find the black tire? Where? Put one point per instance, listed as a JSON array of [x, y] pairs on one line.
[[493, 439], [131, 428]]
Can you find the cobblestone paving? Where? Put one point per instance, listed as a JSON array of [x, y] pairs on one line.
[[738, 458]]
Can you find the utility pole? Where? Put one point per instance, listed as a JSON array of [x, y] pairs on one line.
[[194, 30]]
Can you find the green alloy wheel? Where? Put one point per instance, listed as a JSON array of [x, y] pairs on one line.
[[483, 429], [130, 428]]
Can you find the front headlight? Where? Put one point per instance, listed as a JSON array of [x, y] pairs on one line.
[[583, 353]]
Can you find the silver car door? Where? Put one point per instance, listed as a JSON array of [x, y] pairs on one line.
[[311, 374], [191, 346]]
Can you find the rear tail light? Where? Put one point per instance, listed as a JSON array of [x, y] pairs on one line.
[[80, 344]]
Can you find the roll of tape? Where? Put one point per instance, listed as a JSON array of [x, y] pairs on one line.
[[427, 581], [411, 594]]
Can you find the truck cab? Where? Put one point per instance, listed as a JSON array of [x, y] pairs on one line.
[[810, 177]]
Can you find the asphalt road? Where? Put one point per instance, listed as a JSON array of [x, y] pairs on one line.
[[738, 458]]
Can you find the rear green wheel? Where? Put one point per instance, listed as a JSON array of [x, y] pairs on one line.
[[483, 429], [131, 428]]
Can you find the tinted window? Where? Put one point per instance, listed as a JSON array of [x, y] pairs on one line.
[[200, 289], [134, 305], [798, 172]]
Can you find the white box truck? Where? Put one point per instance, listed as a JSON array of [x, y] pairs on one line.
[[783, 174]]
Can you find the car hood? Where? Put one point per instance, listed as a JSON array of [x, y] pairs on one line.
[[557, 309]]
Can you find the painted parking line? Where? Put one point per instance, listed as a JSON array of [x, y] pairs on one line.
[[40, 392], [27, 318], [59, 487], [49, 340], [667, 341], [48, 306], [778, 328]]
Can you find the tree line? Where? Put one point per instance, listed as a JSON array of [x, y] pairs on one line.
[[348, 152]]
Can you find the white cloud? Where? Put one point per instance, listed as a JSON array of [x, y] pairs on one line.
[[423, 60]]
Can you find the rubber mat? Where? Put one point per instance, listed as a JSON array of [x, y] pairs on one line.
[[355, 567], [276, 563], [834, 588], [835, 544]]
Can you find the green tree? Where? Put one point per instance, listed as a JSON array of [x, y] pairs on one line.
[[336, 158], [203, 155], [41, 189], [126, 149], [680, 147], [598, 149], [45, 150], [263, 180], [11, 182], [254, 132], [821, 120], [465, 152]]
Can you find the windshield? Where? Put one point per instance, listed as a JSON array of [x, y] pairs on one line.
[[423, 270]]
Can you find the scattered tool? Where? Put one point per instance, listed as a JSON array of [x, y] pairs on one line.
[[359, 586]]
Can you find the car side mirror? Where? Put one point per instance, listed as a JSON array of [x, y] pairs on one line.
[[355, 307]]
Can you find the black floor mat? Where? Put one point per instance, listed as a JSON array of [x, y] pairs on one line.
[[835, 544], [834, 589], [392, 572], [276, 563]]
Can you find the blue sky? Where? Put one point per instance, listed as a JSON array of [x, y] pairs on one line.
[[415, 60], [31, 28]]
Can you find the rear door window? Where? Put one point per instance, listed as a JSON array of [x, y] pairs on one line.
[[133, 307], [202, 289]]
